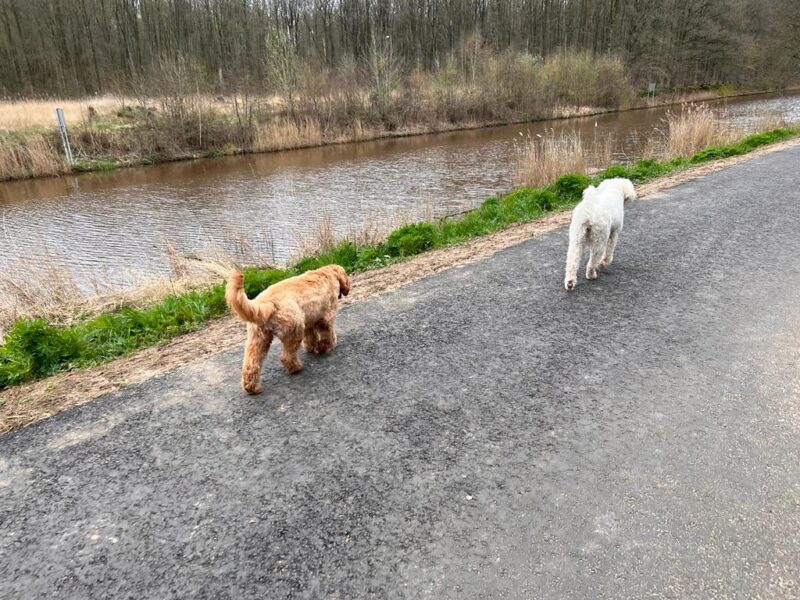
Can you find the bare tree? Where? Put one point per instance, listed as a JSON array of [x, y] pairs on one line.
[[77, 47]]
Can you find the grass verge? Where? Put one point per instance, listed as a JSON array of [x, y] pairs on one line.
[[35, 348]]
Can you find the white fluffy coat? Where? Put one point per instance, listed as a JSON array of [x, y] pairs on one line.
[[597, 221]]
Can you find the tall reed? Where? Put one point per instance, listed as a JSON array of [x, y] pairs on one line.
[[31, 156], [545, 158]]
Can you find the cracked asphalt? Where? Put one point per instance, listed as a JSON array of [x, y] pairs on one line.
[[478, 434]]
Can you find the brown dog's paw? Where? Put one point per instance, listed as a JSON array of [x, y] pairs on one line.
[[252, 388], [324, 347], [293, 364], [251, 381]]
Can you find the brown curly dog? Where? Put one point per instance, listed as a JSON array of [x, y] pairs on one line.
[[298, 309]]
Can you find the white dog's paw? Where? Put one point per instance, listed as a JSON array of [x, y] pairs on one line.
[[591, 274], [569, 284]]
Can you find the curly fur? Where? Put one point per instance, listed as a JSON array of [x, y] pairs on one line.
[[597, 222], [298, 310]]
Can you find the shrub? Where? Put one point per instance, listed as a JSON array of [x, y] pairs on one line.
[[569, 188], [614, 171], [544, 200], [370, 257], [516, 205], [580, 79], [648, 168], [411, 239], [34, 348]]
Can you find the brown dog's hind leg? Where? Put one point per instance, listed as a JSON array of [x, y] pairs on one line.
[[327, 334], [291, 344], [311, 340], [255, 350]]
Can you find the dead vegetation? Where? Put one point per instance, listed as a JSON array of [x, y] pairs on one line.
[[696, 127], [42, 288], [373, 230], [683, 133], [34, 155], [545, 158]]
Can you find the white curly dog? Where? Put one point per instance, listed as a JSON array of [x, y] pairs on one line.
[[597, 221]]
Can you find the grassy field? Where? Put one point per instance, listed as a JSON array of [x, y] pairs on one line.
[[35, 348]]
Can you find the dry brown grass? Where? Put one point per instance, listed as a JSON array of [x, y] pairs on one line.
[[545, 158], [33, 156], [320, 239], [43, 289], [372, 231], [26, 114], [333, 109], [36, 287], [569, 112], [285, 134], [681, 98], [39, 113], [697, 127], [767, 123], [693, 129]]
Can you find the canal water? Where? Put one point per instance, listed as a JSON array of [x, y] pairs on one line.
[[114, 227]]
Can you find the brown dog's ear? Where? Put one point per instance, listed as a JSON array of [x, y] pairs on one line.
[[344, 280]]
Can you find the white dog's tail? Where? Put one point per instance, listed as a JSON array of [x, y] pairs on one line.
[[628, 190], [246, 309], [623, 185]]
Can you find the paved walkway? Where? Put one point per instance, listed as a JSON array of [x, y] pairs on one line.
[[479, 434]]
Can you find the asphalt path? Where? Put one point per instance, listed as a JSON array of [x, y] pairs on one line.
[[478, 434]]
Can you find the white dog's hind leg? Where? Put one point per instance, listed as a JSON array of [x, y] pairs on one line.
[[573, 257], [597, 248], [608, 257]]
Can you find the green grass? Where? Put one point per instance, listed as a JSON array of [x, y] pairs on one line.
[[83, 165], [34, 348]]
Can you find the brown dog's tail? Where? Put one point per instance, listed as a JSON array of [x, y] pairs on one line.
[[247, 310]]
